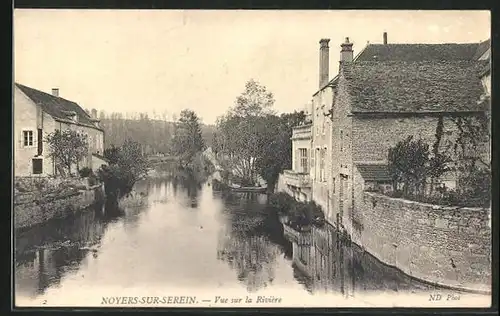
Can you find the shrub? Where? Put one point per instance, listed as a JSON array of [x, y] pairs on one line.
[[85, 172], [282, 202], [299, 214]]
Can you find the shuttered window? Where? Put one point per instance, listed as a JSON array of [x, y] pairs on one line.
[[304, 163]]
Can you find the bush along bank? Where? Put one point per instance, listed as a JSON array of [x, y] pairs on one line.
[[295, 214]]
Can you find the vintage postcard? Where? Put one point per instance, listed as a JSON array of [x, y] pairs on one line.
[[232, 158]]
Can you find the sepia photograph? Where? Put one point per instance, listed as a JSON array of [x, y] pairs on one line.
[[251, 158]]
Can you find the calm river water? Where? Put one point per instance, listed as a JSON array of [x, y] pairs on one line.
[[191, 241]]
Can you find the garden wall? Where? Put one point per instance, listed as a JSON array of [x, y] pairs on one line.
[[444, 245], [38, 200]]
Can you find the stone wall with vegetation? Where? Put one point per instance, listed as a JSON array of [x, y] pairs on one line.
[[39, 199], [444, 245]]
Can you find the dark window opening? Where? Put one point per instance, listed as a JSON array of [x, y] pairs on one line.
[[37, 166]]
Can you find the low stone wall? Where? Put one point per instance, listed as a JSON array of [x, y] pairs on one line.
[[51, 198], [443, 245]]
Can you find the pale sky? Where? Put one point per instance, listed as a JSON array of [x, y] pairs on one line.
[[165, 60]]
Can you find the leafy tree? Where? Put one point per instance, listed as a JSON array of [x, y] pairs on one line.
[[411, 165], [126, 166], [67, 148], [255, 100], [188, 140], [112, 154], [277, 146], [240, 131]]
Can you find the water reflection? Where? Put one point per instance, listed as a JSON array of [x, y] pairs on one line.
[[325, 261], [243, 245], [47, 252], [190, 236]]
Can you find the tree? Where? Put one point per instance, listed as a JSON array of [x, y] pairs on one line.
[[67, 148], [277, 146], [255, 100], [240, 131], [411, 165], [112, 154], [188, 140], [127, 165]]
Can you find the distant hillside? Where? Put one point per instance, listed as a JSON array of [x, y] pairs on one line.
[[156, 135]]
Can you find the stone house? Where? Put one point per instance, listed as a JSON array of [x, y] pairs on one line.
[[378, 98], [37, 114], [392, 91]]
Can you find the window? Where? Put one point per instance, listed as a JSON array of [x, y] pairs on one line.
[[304, 164], [37, 165], [322, 176], [28, 138]]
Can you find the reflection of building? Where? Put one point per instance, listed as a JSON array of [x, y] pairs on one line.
[[325, 261], [37, 114]]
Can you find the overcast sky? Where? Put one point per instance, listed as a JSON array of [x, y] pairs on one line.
[[165, 61]]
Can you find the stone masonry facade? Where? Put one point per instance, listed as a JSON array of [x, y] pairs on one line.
[[443, 245]]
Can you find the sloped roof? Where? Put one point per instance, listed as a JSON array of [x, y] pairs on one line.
[[418, 52], [426, 86], [482, 48], [56, 106], [371, 172]]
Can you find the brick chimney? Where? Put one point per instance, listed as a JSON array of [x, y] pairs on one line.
[[94, 113], [385, 38], [346, 53], [324, 62], [55, 92]]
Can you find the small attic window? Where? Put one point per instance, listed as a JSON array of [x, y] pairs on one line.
[[71, 115]]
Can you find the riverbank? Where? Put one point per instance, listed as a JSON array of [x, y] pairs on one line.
[[37, 200], [197, 236]]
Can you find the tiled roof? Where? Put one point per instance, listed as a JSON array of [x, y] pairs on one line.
[[56, 106], [371, 172], [428, 86], [481, 49], [418, 52]]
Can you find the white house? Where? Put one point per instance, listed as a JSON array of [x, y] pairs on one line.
[[37, 114]]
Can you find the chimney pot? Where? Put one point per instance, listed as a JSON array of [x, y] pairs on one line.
[[55, 92], [324, 62], [346, 53], [385, 38]]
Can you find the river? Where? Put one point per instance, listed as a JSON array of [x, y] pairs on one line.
[[191, 241]]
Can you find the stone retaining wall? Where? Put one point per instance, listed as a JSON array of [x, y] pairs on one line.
[[52, 199], [444, 245]]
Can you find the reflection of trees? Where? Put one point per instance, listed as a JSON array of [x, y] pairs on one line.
[[51, 249], [252, 256]]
